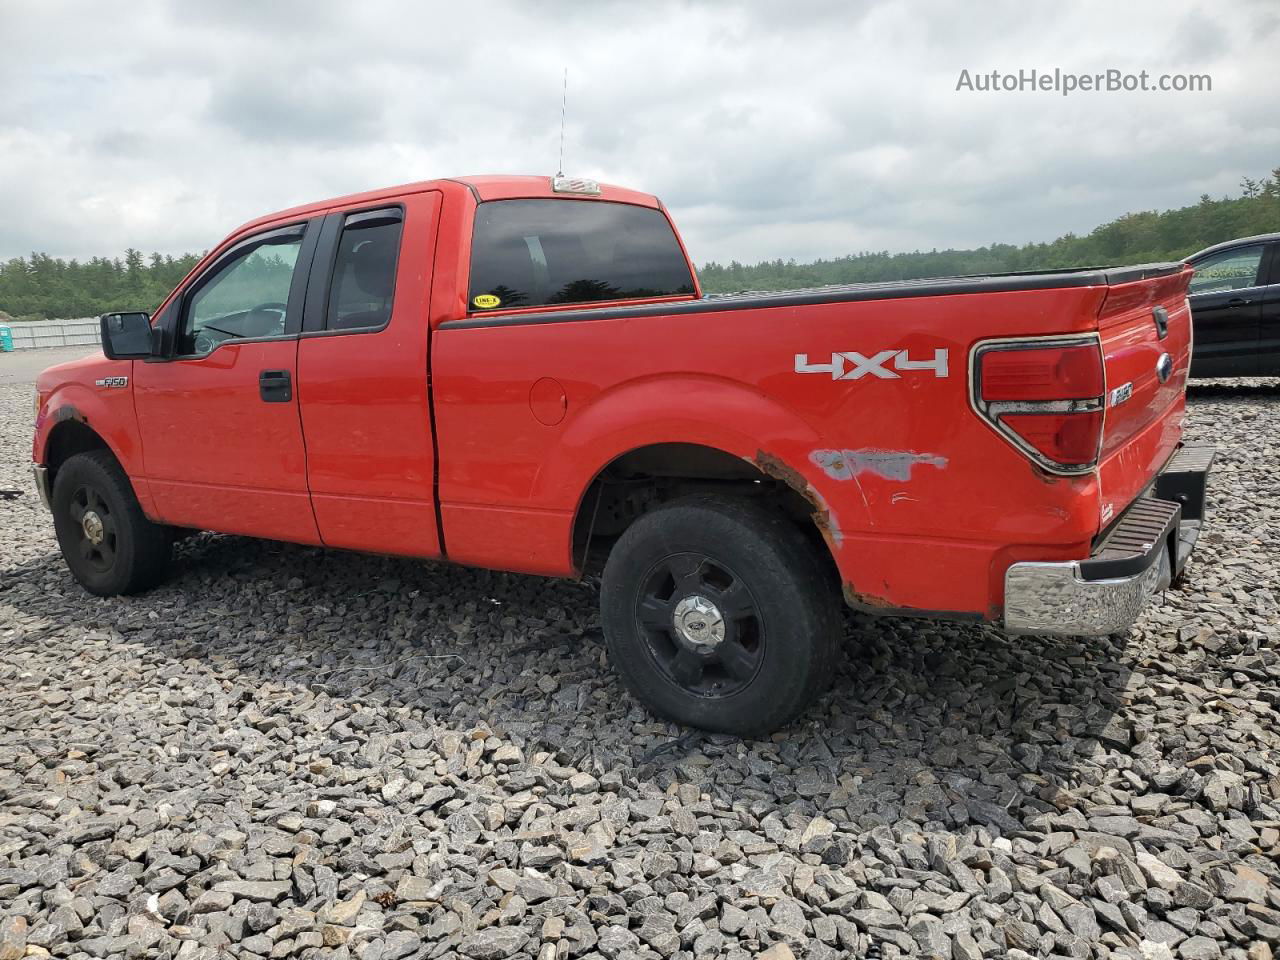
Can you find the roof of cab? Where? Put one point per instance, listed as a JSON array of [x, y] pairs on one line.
[[484, 187], [502, 187]]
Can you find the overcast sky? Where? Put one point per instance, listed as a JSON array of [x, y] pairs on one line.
[[797, 129]]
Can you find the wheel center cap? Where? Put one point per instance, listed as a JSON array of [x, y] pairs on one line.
[[699, 623], [91, 523]]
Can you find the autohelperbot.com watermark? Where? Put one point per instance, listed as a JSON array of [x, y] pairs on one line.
[[1066, 82]]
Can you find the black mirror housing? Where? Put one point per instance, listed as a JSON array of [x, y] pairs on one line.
[[126, 336]]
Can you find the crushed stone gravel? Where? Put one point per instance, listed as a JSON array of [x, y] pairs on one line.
[[288, 751]]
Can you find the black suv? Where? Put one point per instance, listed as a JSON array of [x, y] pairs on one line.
[[1235, 308]]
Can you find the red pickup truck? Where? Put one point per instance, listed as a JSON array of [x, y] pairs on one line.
[[522, 373]]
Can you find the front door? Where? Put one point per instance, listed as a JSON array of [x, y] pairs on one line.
[[222, 439], [1226, 306]]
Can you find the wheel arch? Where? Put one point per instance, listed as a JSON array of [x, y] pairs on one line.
[[75, 424], [644, 478], [70, 435], [699, 428]]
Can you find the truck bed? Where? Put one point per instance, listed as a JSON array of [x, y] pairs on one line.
[[924, 505], [847, 293]]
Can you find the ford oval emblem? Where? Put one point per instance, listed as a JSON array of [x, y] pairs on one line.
[[1164, 367]]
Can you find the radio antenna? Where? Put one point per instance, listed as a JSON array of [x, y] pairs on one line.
[[564, 98]]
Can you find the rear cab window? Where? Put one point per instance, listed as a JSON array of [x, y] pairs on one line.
[[552, 252]]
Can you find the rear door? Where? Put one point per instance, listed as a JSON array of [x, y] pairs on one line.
[[1269, 322], [221, 439], [362, 378], [1226, 298]]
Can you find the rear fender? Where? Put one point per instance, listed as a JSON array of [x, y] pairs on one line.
[[704, 410]]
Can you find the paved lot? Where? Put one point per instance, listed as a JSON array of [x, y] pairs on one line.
[[292, 752], [22, 366]]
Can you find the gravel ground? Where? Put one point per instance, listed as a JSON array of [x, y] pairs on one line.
[[22, 366], [294, 752]]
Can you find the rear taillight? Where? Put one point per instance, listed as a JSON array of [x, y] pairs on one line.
[[1045, 396], [1042, 373]]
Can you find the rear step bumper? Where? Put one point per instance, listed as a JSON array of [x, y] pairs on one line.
[[1144, 551]]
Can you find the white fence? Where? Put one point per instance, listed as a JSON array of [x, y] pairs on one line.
[[56, 333]]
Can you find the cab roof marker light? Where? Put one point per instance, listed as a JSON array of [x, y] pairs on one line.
[[563, 184]]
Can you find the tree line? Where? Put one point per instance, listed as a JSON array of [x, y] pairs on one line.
[[1146, 237], [41, 286]]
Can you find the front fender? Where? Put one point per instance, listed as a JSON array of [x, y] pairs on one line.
[[109, 413]]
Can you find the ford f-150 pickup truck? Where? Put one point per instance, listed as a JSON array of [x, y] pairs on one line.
[[522, 373]]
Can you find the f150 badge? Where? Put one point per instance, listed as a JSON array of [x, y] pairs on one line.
[[887, 364], [110, 382]]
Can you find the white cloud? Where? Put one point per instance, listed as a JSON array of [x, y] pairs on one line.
[[818, 129]]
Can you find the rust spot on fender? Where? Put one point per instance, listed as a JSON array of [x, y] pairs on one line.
[[876, 606], [864, 601], [774, 466], [778, 469]]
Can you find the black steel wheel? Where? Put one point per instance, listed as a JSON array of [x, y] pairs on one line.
[[107, 542], [702, 625], [719, 614], [96, 526]]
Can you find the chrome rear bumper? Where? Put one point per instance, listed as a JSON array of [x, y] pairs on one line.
[[1141, 554]]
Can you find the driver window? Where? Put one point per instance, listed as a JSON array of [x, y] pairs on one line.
[[247, 298]]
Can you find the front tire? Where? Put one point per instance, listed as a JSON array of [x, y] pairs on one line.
[[718, 614], [108, 543]]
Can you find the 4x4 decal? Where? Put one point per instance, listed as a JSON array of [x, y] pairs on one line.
[[854, 365]]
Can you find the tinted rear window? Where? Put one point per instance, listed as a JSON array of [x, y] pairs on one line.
[[529, 253]]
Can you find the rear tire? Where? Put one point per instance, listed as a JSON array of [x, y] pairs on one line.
[[718, 614], [107, 542]]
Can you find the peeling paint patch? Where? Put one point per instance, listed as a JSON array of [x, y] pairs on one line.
[[889, 464]]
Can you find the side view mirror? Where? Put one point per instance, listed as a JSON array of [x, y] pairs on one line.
[[126, 336]]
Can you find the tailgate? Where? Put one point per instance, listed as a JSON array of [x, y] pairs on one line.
[[1145, 326]]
